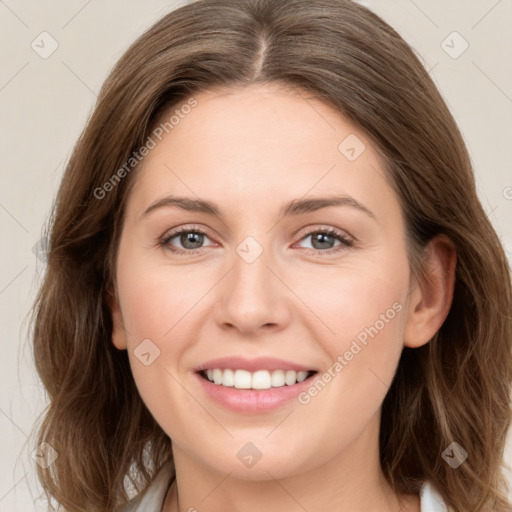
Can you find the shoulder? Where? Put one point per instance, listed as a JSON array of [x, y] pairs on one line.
[[431, 500], [152, 498]]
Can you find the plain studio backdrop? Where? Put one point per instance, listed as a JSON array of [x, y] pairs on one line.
[[48, 90]]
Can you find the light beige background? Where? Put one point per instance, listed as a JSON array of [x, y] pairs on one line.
[[44, 104]]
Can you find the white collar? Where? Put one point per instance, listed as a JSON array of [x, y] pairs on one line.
[[431, 500]]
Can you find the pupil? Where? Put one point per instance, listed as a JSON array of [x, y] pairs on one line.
[[191, 238], [323, 238]]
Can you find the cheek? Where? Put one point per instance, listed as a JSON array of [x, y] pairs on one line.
[[359, 322], [348, 302], [156, 297]]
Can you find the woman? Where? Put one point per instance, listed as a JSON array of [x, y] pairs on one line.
[[281, 288]]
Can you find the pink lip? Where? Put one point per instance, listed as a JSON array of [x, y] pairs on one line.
[[252, 401], [253, 364]]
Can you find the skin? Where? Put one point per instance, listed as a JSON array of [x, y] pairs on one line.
[[251, 151]]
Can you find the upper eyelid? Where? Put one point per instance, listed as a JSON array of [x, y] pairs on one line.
[[306, 230], [172, 233]]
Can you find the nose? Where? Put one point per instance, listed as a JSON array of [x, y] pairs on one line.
[[252, 298]]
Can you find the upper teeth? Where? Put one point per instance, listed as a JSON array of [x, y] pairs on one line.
[[261, 379]]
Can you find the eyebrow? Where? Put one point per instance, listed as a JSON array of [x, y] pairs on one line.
[[295, 207]]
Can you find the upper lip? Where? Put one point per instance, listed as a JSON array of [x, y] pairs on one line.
[[253, 364]]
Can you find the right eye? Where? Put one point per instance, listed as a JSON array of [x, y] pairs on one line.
[[191, 240]]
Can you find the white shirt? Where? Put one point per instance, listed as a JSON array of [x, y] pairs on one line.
[[152, 499]]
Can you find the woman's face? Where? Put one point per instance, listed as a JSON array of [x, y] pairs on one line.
[[303, 260]]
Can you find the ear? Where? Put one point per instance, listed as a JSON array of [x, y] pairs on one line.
[[118, 330], [431, 299]]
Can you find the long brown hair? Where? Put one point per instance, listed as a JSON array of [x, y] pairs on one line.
[[455, 388]]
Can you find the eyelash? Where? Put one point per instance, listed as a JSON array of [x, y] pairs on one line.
[[345, 242]]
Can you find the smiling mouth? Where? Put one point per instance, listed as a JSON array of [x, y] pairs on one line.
[[258, 380]]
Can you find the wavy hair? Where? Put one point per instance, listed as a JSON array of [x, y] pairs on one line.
[[455, 388]]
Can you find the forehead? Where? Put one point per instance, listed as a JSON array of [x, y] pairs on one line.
[[269, 117]]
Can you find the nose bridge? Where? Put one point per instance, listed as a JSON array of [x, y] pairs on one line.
[[250, 267], [251, 278], [252, 297]]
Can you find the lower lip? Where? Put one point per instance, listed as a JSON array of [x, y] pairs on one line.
[[253, 401]]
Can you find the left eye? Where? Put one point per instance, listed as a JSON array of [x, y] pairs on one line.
[[191, 240], [323, 240]]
